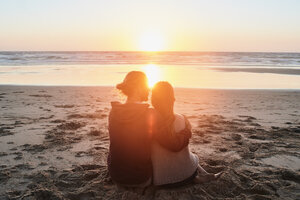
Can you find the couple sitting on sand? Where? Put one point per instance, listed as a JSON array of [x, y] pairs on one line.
[[150, 145]]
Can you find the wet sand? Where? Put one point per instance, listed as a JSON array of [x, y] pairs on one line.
[[54, 143]]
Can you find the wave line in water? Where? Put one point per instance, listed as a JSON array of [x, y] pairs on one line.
[[163, 58]]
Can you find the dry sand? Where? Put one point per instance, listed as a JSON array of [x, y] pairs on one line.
[[54, 143]]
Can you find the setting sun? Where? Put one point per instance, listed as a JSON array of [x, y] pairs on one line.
[[153, 73], [151, 41]]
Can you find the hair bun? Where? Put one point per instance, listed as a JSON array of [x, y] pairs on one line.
[[132, 81], [120, 86]]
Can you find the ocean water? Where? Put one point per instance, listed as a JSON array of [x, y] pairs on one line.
[[226, 70], [164, 58]]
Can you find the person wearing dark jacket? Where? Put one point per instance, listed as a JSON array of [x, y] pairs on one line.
[[132, 125]]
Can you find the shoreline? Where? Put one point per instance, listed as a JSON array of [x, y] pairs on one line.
[[185, 76]]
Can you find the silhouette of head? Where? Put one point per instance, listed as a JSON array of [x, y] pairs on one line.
[[135, 85], [163, 98]]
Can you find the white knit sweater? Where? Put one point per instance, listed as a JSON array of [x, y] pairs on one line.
[[172, 167]]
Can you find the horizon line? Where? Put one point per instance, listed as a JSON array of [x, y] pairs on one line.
[[132, 51]]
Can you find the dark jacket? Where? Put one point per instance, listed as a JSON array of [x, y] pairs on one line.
[[129, 159], [132, 126]]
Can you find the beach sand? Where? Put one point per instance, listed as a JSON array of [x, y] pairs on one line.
[[54, 143]]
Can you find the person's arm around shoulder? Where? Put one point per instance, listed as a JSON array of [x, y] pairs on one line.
[[166, 136]]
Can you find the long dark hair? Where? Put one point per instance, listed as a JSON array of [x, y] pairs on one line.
[[163, 99]]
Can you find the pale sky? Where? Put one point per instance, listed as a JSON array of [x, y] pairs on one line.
[[178, 25]]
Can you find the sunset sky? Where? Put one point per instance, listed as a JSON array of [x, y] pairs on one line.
[[169, 25]]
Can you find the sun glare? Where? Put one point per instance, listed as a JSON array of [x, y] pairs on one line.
[[151, 41], [153, 73]]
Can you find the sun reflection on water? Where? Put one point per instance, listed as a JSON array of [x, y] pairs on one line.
[[153, 73]]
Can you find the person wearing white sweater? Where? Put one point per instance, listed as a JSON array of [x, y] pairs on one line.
[[173, 167]]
